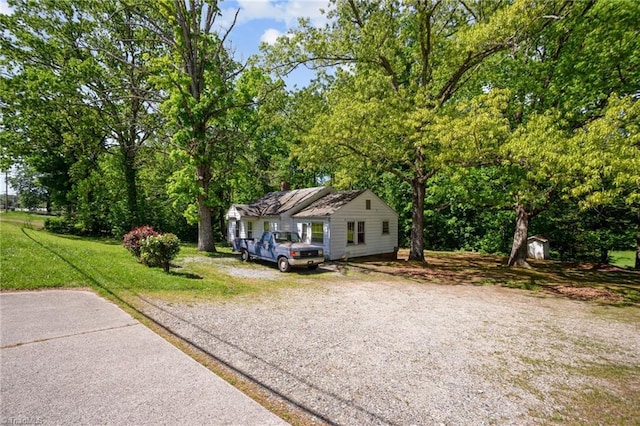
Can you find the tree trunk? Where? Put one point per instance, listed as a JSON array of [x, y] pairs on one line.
[[518, 255], [205, 231], [416, 251], [637, 266], [130, 179]]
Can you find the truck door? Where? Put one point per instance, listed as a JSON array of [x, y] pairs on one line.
[[264, 247], [270, 248]]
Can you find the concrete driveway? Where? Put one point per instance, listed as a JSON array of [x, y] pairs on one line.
[[71, 357]]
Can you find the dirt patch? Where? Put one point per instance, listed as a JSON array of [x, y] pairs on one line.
[[586, 293]]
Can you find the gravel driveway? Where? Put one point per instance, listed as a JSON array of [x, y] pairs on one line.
[[388, 351]]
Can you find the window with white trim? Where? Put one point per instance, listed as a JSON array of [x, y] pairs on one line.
[[351, 232], [360, 232], [317, 232], [385, 227], [249, 229]]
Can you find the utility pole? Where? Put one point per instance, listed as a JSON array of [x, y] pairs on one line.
[[6, 190]]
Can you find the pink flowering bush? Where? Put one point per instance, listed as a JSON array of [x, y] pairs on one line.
[[152, 248], [133, 240]]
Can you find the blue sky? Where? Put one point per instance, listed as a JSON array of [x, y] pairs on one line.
[[264, 21], [258, 21]]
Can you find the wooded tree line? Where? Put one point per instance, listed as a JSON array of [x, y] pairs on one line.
[[479, 122]]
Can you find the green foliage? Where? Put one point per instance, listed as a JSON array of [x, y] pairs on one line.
[[30, 191], [124, 114], [409, 99], [132, 241], [586, 234], [62, 225], [609, 149], [159, 250]]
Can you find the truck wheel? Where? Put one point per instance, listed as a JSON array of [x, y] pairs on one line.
[[244, 255], [283, 264]]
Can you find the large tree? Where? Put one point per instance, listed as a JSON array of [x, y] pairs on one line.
[[405, 97], [198, 74], [45, 119], [568, 74], [121, 90], [76, 87]]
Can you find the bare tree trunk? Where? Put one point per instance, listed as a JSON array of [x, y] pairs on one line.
[[416, 251], [205, 231], [518, 255]]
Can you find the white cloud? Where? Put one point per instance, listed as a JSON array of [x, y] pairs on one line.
[[270, 36], [4, 8], [286, 11]]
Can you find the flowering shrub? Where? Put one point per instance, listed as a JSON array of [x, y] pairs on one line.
[[159, 250], [131, 241]]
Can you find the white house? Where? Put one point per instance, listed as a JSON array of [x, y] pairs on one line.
[[538, 247], [345, 223]]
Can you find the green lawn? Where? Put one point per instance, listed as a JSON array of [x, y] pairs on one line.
[[623, 259], [33, 259]]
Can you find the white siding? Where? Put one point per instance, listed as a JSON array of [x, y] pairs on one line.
[[538, 249], [257, 224], [335, 228], [375, 241]]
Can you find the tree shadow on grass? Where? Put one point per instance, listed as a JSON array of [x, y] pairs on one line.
[[562, 278], [188, 275]]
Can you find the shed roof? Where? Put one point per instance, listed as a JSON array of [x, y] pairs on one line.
[[277, 203], [329, 204], [540, 238]]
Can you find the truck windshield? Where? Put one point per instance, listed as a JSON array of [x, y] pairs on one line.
[[285, 237]]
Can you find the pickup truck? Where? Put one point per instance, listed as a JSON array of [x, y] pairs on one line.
[[283, 248]]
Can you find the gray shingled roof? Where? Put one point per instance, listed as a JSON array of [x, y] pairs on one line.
[[277, 203], [329, 204]]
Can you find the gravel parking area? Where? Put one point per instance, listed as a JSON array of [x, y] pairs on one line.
[[399, 352]]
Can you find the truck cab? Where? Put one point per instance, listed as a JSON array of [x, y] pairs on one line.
[[282, 247]]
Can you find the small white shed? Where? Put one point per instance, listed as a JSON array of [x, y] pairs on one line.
[[538, 247]]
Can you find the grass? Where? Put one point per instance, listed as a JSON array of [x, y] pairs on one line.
[[623, 259], [616, 402], [34, 259]]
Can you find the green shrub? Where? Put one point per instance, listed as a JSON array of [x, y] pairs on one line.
[[159, 250], [62, 225]]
